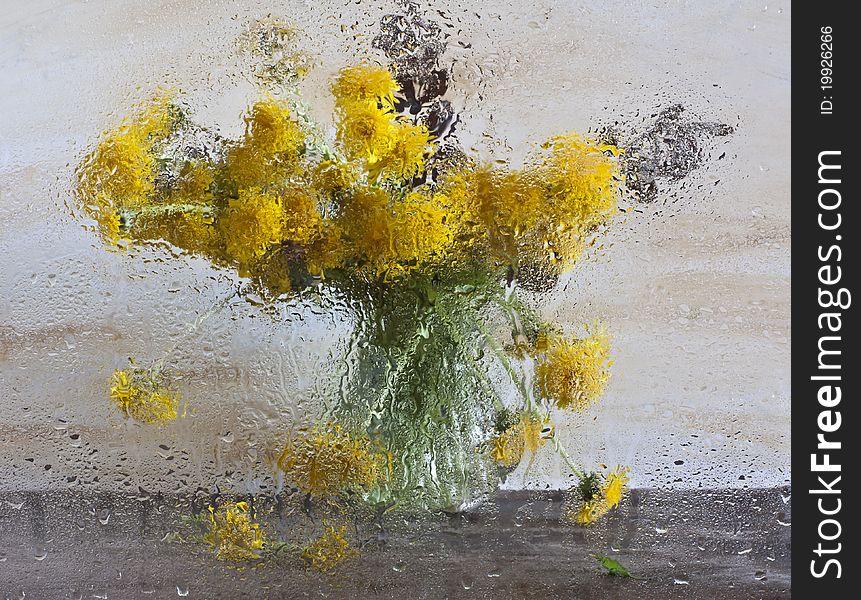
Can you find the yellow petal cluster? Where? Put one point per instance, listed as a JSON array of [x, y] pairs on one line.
[[139, 396], [370, 131], [269, 151], [610, 494], [119, 172], [233, 533], [393, 238], [401, 155], [326, 461], [329, 550], [574, 372], [367, 84], [544, 211], [251, 224], [527, 435]]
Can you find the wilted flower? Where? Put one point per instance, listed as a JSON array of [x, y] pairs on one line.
[[598, 494], [327, 460], [526, 434], [271, 42], [574, 372], [330, 549], [141, 395], [233, 533]]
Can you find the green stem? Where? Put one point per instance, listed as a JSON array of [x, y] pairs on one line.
[[301, 110], [165, 209], [575, 468], [403, 361], [506, 363], [481, 376]]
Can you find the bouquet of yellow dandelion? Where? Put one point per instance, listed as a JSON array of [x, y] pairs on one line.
[[429, 247]]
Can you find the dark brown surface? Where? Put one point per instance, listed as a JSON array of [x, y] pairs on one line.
[[697, 544]]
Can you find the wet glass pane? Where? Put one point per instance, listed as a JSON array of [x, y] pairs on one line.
[[440, 300]]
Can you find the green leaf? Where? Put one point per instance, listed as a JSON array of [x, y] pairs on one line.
[[277, 547], [613, 567]]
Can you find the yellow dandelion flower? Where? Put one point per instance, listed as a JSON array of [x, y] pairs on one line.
[[576, 203], [419, 234], [589, 513], [582, 181], [122, 390], [496, 205], [327, 460], [109, 223], [598, 495], [120, 168], [615, 486], [194, 184], [269, 151], [574, 372], [233, 533], [138, 396], [329, 550], [366, 84], [366, 222], [119, 172], [395, 238], [331, 176], [404, 155], [327, 250], [251, 224], [510, 203], [526, 435], [302, 220], [270, 130], [536, 432], [365, 131], [543, 212], [507, 447], [192, 230]]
